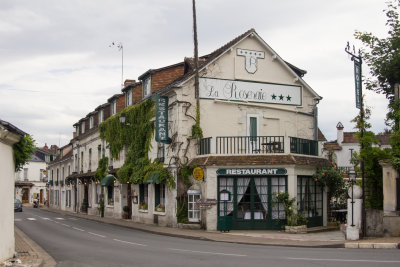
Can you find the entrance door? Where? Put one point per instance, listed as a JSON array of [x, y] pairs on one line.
[[25, 195], [309, 200], [41, 196], [251, 204]]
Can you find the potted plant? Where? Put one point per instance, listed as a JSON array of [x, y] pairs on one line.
[[295, 222], [143, 205], [160, 208], [125, 215]]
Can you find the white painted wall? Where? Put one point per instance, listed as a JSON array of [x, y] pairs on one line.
[[7, 243]]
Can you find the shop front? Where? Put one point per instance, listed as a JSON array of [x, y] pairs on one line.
[[251, 202]]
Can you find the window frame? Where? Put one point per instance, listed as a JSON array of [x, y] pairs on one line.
[[146, 89]]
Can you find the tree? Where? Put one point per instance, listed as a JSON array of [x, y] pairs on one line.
[[23, 151], [371, 155], [382, 55]]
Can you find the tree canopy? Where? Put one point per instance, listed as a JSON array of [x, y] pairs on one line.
[[382, 55], [23, 151]]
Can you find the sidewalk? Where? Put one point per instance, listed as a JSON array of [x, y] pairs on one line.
[[29, 253], [315, 238]]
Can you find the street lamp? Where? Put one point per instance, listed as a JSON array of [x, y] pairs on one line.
[[352, 180]]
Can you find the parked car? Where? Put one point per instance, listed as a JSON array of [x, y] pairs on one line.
[[17, 205]]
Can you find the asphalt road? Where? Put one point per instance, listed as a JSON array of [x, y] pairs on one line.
[[75, 241]]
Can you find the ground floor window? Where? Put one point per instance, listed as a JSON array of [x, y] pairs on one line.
[[251, 201], [143, 196], [57, 198], [193, 207], [68, 198], [159, 197], [110, 195], [51, 196]]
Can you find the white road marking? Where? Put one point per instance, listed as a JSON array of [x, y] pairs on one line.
[[96, 234], [66, 225], [79, 229], [74, 219], [31, 219], [206, 252], [131, 243], [47, 219], [60, 219], [342, 260]]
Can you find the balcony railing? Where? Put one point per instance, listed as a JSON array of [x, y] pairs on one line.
[[303, 146], [242, 145]]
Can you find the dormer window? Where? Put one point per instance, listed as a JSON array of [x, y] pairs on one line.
[[91, 122], [147, 87], [114, 107], [101, 116], [128, 98], [83, 127]]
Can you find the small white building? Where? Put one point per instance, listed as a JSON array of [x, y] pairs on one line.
[[31, 180], [9, 135]]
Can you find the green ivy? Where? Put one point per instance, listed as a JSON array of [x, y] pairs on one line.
[[136, 136], [197, 132], [102, 169], [23, 151]]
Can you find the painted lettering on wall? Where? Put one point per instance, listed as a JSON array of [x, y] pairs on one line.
[[250, 91]]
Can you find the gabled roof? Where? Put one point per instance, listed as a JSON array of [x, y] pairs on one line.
[[204, 61]]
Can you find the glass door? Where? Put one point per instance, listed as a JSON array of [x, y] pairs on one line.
[[309, 200]]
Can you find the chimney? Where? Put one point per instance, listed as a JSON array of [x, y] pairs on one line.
[[339, 128], [129, 82], [45, 147]]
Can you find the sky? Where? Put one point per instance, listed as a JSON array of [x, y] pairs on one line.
[[56, 63]]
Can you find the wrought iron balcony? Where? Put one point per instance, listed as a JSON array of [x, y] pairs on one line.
[[237, 145], [247, 145]]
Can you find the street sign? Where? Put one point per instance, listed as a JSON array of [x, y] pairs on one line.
[[358, 82]]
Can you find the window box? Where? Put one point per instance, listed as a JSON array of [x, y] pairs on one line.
[[160, 208]]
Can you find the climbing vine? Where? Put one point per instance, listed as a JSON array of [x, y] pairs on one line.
[[102, 169], [23, 151], [196, 129], [135, 136]]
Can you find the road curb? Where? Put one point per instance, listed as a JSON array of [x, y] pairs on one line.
[[43, 258], [372, 245]]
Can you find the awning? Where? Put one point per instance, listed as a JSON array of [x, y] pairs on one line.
[[108, 180], [154, 178]]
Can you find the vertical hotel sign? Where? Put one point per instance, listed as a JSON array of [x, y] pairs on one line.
[[357, 77], [162, 119]]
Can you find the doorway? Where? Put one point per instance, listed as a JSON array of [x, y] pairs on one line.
[[25, 195]]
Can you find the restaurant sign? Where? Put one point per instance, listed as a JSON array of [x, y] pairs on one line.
[[252, 171], [162, 119], [267, 93]]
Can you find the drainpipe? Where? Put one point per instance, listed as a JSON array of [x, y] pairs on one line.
[[315, 112]]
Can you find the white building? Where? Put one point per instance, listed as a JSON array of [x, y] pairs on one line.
[[260, 127], [340, 151], [31, 180], [9, 135]]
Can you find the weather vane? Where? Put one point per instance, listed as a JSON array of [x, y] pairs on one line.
[[120, 48]]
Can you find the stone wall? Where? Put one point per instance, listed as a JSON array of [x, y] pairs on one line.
[[374, 223]]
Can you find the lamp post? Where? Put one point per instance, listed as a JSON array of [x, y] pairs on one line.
[[352, 180], [357, 59]]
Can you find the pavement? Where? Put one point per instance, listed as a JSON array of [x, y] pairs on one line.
[[30, 254]]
